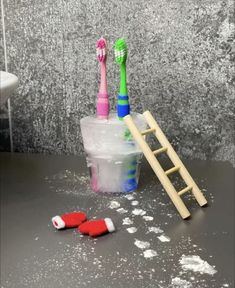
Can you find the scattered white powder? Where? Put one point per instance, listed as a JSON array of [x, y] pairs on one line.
[[148, 218], [192, 278], [70, 183], [114, 205], [156, 230], [69, 177], [140, 212], [127, 221], [122, 210], [164, 238], [225, 285], [132, 230], [180, 283], [196, 264], [134, 203], [142, 244], [150, 253], [36, 238], [83, 179], [130, 197]]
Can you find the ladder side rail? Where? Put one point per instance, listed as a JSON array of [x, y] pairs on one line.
[[179, 204], [175, 158]]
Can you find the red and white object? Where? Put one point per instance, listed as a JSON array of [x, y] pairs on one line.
[[69, 220], [96, 228]]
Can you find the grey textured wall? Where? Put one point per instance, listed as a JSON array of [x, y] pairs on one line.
[[1, 42], [4, 131], [180, 66], [2, 62]]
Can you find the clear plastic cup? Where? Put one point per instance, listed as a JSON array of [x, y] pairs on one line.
[[113, 157]]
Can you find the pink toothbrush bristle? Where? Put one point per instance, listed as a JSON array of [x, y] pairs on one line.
[[101, 49]]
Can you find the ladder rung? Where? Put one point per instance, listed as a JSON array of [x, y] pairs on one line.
[[173, 169], [148, 131], [186, 189], [160, 150]]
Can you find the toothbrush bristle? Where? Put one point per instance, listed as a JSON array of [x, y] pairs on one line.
[[101, 50], [120, 51]]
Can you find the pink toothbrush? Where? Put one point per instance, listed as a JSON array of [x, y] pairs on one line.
[[102, 104]]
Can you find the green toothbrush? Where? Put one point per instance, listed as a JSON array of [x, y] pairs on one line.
[[120, 52], [123, 109]]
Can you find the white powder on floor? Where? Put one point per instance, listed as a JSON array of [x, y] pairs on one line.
[[114, 205], [132, 230], [142, 244], [150, 253], [134, 203], [148, 218], [164, 238], [127, 221], [122, 210], [140, 212], [196, 264], [130, 197], [180, 283], [156, 230]]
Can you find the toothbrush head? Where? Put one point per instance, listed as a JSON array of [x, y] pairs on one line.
[[101, 49], [120, 51]]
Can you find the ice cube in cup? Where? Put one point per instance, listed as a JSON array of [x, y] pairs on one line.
[[113, 157]]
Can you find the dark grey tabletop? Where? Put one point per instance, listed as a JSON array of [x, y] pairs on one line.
[[196, 253]]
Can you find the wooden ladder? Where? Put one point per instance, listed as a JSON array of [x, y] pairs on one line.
[[157, 168]]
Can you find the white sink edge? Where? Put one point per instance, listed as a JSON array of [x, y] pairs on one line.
[[8, 83]]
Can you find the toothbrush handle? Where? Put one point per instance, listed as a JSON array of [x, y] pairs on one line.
[[103, 79], [102, 105], [123, 107]]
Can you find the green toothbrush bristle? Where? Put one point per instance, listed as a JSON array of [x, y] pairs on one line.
[[120, 51]]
